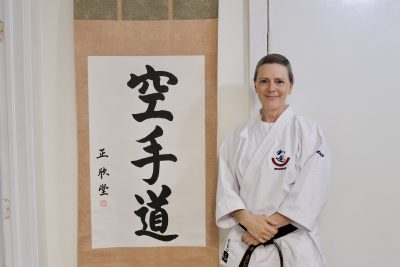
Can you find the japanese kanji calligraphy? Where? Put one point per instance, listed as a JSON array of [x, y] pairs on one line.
[[147, 150]]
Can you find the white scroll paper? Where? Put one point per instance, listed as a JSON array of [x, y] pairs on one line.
[[126, 209]]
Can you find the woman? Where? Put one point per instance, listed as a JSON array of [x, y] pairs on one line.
[[273, 179]]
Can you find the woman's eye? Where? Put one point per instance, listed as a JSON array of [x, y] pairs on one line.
[[280, 82]]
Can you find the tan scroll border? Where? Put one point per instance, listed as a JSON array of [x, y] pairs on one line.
[[144, 38]]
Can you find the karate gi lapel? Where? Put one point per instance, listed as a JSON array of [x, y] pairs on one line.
[[266, 143]]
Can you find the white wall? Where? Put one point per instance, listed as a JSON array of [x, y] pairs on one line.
[[346, 58], [361, 124], [56, 132], [232, 82], [234, 59]]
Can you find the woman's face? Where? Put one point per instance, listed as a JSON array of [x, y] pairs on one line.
[[273, 86]]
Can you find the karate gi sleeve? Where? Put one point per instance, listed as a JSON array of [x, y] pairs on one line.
[[228, 198], [310, 190]]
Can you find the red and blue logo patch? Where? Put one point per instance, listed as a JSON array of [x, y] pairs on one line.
[[280, 160]]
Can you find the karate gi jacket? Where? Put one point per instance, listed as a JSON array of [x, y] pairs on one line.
[[286, 170]]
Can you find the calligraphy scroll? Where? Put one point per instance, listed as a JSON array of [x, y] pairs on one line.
[[147, 150]]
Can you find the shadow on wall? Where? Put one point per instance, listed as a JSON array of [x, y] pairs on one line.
[[233, 108]]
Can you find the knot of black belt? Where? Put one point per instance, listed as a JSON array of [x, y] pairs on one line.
[[282, 231]]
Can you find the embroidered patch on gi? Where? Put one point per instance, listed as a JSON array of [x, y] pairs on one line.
[[225, 254], [320, 153], [280, 160]]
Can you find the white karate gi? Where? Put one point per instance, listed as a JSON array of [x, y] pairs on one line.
[[285, 170]]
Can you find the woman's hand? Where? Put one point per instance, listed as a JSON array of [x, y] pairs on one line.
[[248, 239], [261, 228]]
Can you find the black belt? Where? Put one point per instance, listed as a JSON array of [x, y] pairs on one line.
[[284, 230]]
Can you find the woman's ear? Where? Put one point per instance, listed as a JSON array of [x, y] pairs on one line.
[[291, 88]]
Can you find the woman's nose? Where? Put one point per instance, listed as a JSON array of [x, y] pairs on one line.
[[271, 87]]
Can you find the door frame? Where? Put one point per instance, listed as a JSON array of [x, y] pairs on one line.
[[21, 230], [5, 237]]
